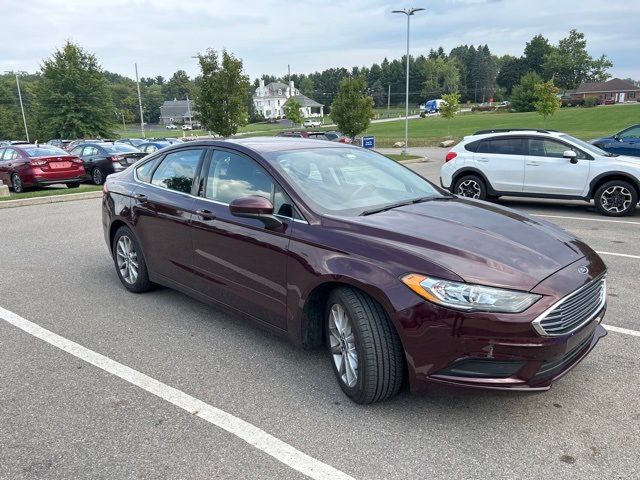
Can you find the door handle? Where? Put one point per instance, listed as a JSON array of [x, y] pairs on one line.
[[206, 214], [140, 198], [483, 159], [533, 164]]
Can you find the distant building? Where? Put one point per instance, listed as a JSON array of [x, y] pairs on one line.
[[177, 111], [269, 100], [615, 89]]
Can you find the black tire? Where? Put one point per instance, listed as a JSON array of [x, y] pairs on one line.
[[142, 282], [380, 357], [471, 186], [73, 185], [16, 183], [97, 177], [616, 198]]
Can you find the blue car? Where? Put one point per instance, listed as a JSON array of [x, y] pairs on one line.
[[150, 147], [625, 142]]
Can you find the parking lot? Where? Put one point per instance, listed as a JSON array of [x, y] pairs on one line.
[[202, 386]]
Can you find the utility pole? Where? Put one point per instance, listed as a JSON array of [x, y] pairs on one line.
[[475, 93], [289, 79], [189, 111], [408, 12], [24, 118], [389, 100], [140, 103]]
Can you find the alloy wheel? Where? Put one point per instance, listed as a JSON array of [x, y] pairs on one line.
[[17, 183], [343, 345], [97, 176], [469, 189], [127, 259], [616, 199]]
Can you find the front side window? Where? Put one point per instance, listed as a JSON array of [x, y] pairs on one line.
[[633, 132], [349, 181], [539, 147], [233, 176], [177, 170]]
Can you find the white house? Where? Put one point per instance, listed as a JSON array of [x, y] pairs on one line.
[[270, 99]]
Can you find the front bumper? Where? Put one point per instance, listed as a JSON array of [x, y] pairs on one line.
[[496, 351]]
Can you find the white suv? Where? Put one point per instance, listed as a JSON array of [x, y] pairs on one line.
[[311, 123], [541, 163]]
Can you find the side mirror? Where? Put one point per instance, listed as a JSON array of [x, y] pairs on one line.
[[571, 155], [255, 206]]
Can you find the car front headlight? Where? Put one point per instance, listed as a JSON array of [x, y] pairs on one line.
[[467, 297]]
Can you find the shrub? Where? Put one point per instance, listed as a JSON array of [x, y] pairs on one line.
[[590, 102]]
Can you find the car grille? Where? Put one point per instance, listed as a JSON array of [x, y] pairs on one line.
[[574, 310], [550, 369]]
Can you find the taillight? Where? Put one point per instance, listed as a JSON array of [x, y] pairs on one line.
[[450, 156], [115, 159], [105, 189], [76, 160], [37, 163]]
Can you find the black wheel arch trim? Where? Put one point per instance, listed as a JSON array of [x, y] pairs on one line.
[[613, 175], [472, 170]]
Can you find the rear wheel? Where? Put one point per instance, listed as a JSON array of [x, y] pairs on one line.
[[471, 186], [97, 176], [73, 185], [129, 262], [365, 350], [616, 198], [16, 183]]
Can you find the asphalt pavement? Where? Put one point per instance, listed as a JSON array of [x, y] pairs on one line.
[[62, 417]]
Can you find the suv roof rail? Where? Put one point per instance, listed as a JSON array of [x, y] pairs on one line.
[[502, 130]]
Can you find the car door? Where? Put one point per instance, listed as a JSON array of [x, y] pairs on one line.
[[628, 142], [548, 172], [501, 160], [240, 262], [4, 169], [162, 208], [88, 154]]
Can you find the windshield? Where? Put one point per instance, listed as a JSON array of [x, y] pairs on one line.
[[120, 148], [587, 146], [45, 151], [350, 181]]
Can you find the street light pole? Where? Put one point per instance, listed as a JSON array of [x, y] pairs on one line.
[[408, 12], [140, 103]]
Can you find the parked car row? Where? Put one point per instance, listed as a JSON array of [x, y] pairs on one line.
[[332, 136]]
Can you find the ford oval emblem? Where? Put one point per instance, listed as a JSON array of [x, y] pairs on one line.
[[583, 270]]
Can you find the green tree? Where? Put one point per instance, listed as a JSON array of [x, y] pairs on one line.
[[379, 94], [569, 64], [73, 99], [449, 108], [306, 86], [291, 110], [535, 54], [523, 96], [178, 87], [152, 100], [221, 101], [511, 71], [352, 109], [547, 101], [441, 76]]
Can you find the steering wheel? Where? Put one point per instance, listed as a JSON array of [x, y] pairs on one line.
[[362, 189]]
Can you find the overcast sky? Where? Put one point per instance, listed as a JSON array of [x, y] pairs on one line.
[[162, 35]]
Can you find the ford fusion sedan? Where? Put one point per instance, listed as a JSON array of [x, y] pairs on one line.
[[544, 164], [329, 244], [23, 166]]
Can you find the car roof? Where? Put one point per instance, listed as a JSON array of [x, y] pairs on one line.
[[482, 134]]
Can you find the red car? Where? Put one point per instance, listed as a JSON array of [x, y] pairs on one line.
[[23, 166]]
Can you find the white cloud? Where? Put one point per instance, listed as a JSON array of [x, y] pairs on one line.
[[162, 35]]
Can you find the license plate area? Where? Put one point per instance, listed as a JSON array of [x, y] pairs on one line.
[[59, 165]]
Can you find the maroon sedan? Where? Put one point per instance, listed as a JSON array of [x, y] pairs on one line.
[[332, 244], [23, 166]]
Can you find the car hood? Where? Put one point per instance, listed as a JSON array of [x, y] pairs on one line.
[[626, 160], [480, 242]]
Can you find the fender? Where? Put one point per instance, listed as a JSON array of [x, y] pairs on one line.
[[613, 174], [466, 170]]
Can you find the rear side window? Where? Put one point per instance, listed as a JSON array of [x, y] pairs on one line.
[[144, 172], [502, 146], [177, 170], [473, 146]]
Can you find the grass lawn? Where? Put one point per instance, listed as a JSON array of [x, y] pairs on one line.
[[585, 123], [52, 190], [398, 157]]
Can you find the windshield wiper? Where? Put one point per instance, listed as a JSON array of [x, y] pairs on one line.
[[402, 204]]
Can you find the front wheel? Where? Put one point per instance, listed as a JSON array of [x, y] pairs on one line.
[[364, 347], [616, 198], [471, 186]]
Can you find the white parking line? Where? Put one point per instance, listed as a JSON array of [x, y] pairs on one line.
[[619, 254], [281, 451], [626, 331], [587, 219]]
